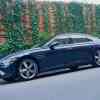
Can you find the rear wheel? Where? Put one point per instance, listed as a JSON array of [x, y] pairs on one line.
[[97, 58]]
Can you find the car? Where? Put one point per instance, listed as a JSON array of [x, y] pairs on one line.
[[69, 50]]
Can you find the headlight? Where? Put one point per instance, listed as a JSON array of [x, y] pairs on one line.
[[9, 61]]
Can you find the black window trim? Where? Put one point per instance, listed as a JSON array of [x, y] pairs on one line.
[[81, 42]]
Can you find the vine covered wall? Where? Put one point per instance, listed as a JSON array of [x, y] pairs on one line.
[[25, 24]]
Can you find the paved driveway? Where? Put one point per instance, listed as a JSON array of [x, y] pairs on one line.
[[79, 85]]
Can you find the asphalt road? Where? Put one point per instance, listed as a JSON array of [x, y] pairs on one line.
[[79, 85]]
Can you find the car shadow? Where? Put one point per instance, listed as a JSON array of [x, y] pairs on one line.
[[50, 75]]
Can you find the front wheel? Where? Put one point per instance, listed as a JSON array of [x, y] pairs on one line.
[[27, 69]]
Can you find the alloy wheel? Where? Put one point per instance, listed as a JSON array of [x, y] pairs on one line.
[[27, 69], [97, 58]]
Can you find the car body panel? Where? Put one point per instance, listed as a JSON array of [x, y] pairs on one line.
[[60, 57]]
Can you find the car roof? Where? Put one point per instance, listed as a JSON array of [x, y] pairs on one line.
[[75, 35]]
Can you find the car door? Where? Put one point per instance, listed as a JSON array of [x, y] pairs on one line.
[[55, 58], [82, 51]]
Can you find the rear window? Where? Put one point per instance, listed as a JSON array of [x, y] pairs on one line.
[[80, 40]]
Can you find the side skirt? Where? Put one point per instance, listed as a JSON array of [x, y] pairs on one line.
[[53, 71], [61, 70]]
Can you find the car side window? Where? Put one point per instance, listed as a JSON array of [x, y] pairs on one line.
[[61, 42], [80, 40]]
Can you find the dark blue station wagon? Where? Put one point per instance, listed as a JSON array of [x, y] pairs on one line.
[[61, 52]]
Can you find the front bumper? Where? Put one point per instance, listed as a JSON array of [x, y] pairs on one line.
[[6, 72], [2, 73]]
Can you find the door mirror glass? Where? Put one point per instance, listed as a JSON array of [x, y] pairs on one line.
[[52, 46]]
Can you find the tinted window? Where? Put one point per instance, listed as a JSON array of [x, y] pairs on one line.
[[61, 41], [80, 40]]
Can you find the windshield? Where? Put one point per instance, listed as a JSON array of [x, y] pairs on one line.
[[44, 43]]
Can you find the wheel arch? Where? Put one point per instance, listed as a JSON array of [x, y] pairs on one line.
[[29, 57]]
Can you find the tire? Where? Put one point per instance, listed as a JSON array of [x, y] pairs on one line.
[[97, 58], [27, 69]]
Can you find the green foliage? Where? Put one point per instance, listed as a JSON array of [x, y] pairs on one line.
[[43, 37], [98, 19], [4, 49], [96, 34], [69, 23], [60, 17], [12, 23], [75, 10], [73, 21]]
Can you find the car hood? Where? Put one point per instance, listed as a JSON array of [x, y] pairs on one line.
[[21, 53]]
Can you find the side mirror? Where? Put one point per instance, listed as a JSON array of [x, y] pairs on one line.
[[53, 45]]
